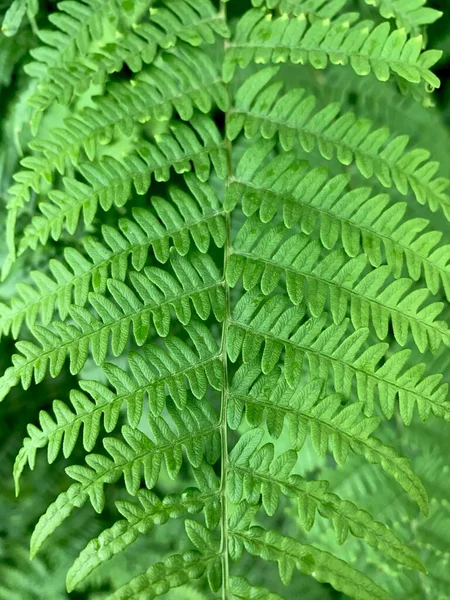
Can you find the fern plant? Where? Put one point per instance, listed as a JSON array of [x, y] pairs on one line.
[[232, 274]]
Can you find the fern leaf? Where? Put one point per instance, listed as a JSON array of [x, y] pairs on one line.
[[78, 24], [110, 181], [139, 520], [173, 367], [273, 325], [182, 79], [154, 292], [290, 555], [197, 433], [317, 9], [256, 472], [324, 418], [359, 221], [410, 15], [207, 543], [261, 256], [250, 291], [260, 108], [65, 68], [13, 17], [197, 216], [368, 49], [241, 589], [174, 572]]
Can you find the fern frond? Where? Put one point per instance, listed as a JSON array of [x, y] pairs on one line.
[[316, 9], [285, 186], [13, 17], [323, 417], [109, 182], [263, 39], [244, 326], [265, 327], [173, 367], [77, 25], [65, 68], [256, 472], [401, 113], [150, 299], [198, 216], [291, 555], [260, 108], [139, 519], [174, 572], [410, 14], [260, 257], [424, 534], [208, 545], [183, 79], [359, 479], [241, 589], [196, 432]]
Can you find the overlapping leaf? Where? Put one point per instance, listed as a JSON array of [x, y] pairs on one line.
[[154, 295], [254, 472], [265, 328], [261, 38], [197, 216], [139, 519], [261, 108], [260, 256], [161, 577], [156, 375], [196, 432], [110, 182], [283, 185], [291, 555], [182, 80], [324, 418], [69, 62], [410, 14]]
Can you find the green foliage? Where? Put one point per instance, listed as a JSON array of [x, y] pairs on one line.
[[366, 48], [335, 354], [375, 153], [326, 421], [259, 255], [169, 225], [173, 368], [110, 181], [228, 346], [352, 217], [290, 555], [15, 14], [139, 520], [253, 473], [410, 15]]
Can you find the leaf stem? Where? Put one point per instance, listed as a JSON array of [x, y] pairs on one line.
[[224, 397]]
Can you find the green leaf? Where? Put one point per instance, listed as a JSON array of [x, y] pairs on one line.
[[174, 572], [195, 428], [290, 555], [326, 419], [139, 520], [261, 108], [262, 256], [363, 46], [13, 17]]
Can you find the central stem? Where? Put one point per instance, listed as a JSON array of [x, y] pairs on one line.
[[224, 433], [224, 397]]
